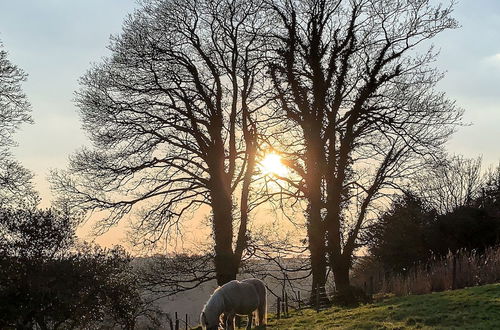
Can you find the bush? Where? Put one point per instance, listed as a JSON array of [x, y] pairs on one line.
[[49, 282]]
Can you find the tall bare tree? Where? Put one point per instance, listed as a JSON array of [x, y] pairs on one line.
[[172, 118], [15, 180], [350, 78]]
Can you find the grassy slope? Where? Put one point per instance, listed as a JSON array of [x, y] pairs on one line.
[[471, 308]]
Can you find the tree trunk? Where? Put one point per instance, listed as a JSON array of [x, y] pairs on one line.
[[225, 263], [316, 230], [316, 234], [341, 274], [340, 261], [318, 264], [344, 293]]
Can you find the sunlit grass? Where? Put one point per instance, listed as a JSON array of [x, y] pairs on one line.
[[471, 308]]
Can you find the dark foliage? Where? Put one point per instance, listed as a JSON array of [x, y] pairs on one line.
[[404, 234], [49, 282], [412, 232], [34, 234], [469, 228]]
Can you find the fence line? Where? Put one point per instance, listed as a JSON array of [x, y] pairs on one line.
[[319, 301], [454, 271], [175, 324]]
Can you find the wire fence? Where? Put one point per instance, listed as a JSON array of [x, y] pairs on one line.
[[462, 269], [318, 299], [179, 324], [287, 292]]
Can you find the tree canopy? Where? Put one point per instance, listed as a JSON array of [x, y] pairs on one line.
[[172, 118], [354, 83], [15, 180], [177, 114]]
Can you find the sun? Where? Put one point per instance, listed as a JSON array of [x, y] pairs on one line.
[[272, 164]]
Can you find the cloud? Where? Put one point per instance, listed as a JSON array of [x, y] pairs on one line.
[[493, 60]]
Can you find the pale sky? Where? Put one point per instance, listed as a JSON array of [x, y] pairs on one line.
[[55, 41]]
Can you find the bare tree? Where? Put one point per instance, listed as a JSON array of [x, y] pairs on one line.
[[172, 118], [450, 182], [490, 190], [349, 78], [15, 181]]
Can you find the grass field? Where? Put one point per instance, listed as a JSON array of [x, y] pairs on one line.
[[471, 308]]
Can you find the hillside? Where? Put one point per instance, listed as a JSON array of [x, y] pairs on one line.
[[471, 308]]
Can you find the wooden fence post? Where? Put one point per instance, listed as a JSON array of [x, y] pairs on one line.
[[454, 273], [298, 295], [278, 305], [286, 304], [237, 320], [317, 298], [283, 287], [171, 324], [186, 321]]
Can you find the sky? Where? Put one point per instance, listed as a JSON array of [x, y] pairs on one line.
[[55, 42]]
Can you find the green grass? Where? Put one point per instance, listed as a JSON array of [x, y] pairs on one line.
[[471, 308]]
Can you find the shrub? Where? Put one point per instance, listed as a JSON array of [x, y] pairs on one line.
[[49, 282]]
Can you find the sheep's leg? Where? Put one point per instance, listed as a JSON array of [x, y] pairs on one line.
[[249, 323], [229, 322]]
